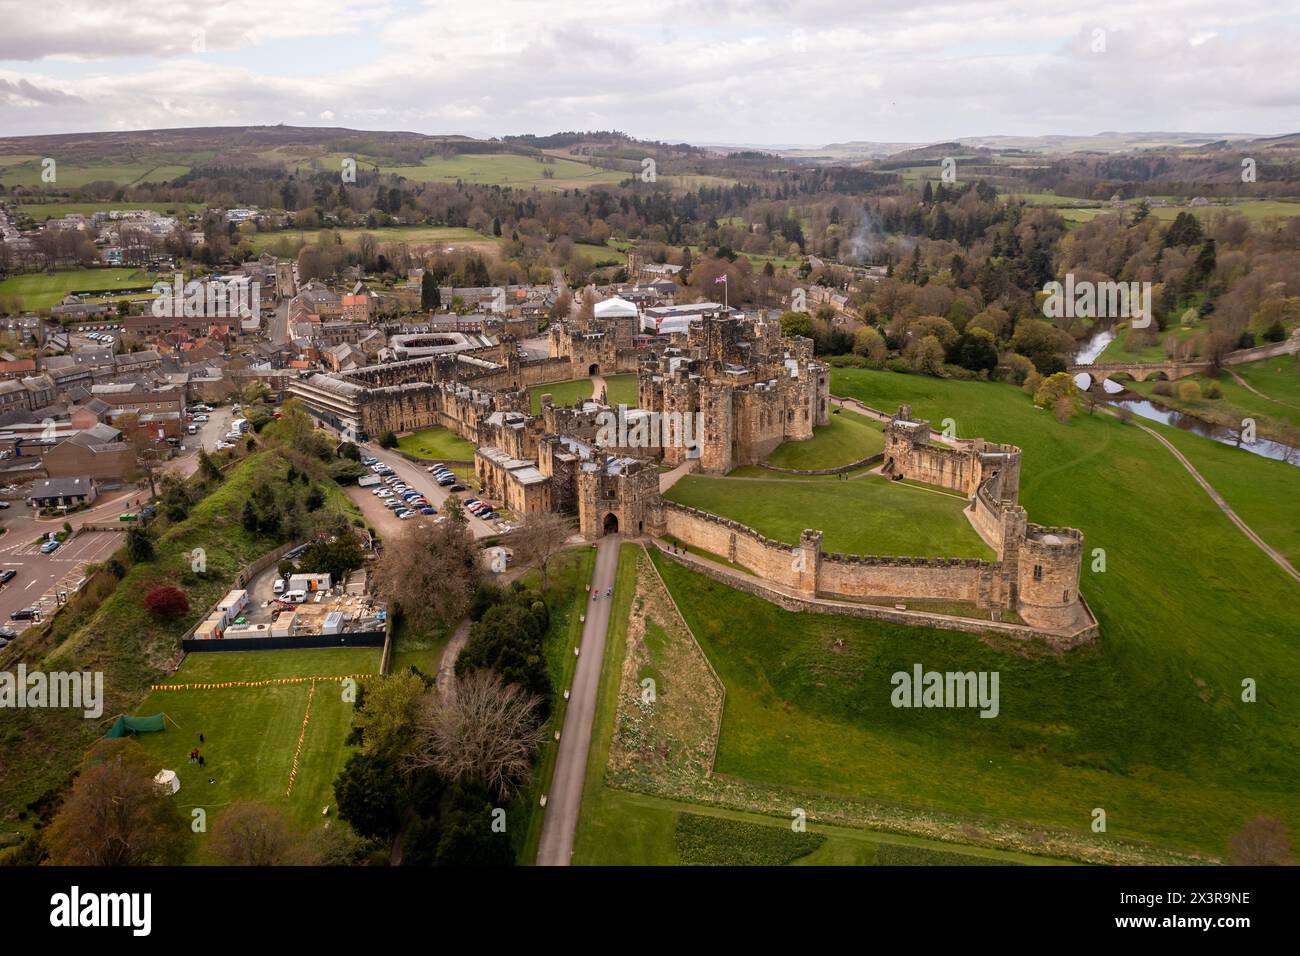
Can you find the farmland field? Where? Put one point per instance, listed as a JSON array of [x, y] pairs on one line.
[[505, 169]]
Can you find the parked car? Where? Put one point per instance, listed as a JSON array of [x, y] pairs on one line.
[[428, 510], [457, 487], [24, 614], [49, 547], [383, 493], [7, 575], [8, 633], [278, 586], [406, 514], [5, 504]]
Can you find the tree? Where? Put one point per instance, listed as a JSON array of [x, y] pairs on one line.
[[507, 639], [486, 732], [430, 575], [430, 297], [116, 815], [796, 323], [1043, 344], [139, 544], [255, 834], [387, 440], [541, 538], [1053, 388], [388, 713], [1261, 842], [208, 467], [369, 794], [869, 343], [1189, 391], [167, 601], [467, 837]]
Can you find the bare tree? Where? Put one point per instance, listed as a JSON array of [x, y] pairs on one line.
[[255, 834], [1261, 842], [430, 574], [488, 732], [116, 815], [542, 537]]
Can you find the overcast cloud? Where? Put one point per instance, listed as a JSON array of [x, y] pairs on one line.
[[718, 71]]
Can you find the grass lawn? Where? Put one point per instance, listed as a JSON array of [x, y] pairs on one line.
[[868, 515], [562, 393], [621, 389], [848, 438], [1119, 351], [45, 290], [1153, 722], [251, 733], [436, 444]]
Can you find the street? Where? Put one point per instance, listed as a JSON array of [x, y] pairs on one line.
[[560, 824]]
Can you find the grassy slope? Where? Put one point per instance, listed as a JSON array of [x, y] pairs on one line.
[[124, 640], [868, 515], [621, 390], [622, 828], [1187, 607], [846, 439]]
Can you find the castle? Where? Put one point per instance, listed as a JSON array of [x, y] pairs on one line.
[[732, 389]]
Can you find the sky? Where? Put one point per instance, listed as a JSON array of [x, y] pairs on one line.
[[756, 72]]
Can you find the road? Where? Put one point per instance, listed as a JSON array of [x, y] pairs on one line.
[[40, 575], [560, 824], [210, 432]]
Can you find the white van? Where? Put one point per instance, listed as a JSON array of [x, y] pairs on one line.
[[278, 587], [294, 597]]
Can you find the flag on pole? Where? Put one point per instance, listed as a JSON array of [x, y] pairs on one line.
[[722, 278]]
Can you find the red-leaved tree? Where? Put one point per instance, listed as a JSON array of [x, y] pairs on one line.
[[167, 601]]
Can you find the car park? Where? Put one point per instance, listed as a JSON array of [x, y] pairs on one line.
[[428, 510]]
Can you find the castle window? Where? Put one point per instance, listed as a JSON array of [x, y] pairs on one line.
[[1038, 572], [1065, 596]]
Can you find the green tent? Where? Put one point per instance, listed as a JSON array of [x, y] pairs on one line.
[[136, 725]]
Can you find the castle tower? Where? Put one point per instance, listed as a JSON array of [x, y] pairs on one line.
[[715, 451]]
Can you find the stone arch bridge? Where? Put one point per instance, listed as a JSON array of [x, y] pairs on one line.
[[1141, 371]]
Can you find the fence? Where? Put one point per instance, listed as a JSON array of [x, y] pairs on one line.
[[352, 639]]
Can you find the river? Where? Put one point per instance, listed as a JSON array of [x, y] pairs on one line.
[[1095, 344]]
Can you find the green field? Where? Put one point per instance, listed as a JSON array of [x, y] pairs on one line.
[[415, 235], [1119, 351], [45, 290], [562, 393], [55, 210], [1257, 211], [848, 438], [75, 175], [251, 733], [505, 169], [437, 444], [621, 390], [624, 828], [868, 515], [1187, 605]]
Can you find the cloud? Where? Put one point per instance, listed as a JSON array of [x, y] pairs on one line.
[[736, 71]]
